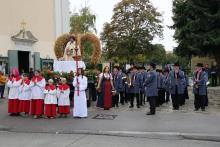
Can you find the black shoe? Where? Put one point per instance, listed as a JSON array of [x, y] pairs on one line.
[[196, 109], [149, 113], [203, 109], [138, 106], [131, 106], [117, 105]]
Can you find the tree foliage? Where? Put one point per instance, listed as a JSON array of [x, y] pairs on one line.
[[134, 25], [197, 27], [84, 22]]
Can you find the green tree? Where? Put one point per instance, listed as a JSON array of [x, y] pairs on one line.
[[197, 27], [83, 22], [134, 25]]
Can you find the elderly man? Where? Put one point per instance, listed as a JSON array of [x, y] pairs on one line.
[[200, 90]]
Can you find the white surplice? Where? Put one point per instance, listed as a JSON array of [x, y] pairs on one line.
[[80, 101], [13, 88]]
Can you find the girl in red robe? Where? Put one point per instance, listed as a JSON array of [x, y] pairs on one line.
[[14, 81], [50, 100]]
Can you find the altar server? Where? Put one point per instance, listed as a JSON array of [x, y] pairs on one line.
[[37, 91], [80, 101], [13, 83], [63, 92], [25, 95], [50, 100]]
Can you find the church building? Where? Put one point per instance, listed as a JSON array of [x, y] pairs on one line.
[[28, 30]]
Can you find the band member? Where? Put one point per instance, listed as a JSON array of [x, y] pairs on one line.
[[151, 88], [14, 81], [25, 95], [50, 100], [80, 101], [166, 85], [200, 79], [161, 88], [134, 86], [142, 90], [122, 90], [63, 92], [105, 88], [117, 82], [37, 91], [177, 86]]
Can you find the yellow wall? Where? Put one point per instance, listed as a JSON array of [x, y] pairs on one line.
[[40, 19]]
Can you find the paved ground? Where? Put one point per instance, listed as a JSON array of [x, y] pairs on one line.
[[167, 128], [74, 140]]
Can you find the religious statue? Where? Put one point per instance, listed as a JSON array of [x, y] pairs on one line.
[[72, 50]]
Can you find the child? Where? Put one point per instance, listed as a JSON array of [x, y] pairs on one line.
[[80, 101], [13, 84], [24, 95], [50, 100], [63, 92], [37, 92]]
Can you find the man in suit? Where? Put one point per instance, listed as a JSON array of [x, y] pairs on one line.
[[134, 87], [177, 86], [142, 90], [151, 88], [117, 82], [200, 89]]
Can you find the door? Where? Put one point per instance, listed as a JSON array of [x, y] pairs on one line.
[[12, 59], [23, 61]]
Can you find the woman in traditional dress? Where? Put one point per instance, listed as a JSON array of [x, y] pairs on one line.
[[37, 91], [25, 95], [80, 101], [13, 83], [105, 88], [63, 92], [50, 100]]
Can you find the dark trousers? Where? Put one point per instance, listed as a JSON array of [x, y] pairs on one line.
[[199, 101], [115, 100], [182, 99], [167, 96], [175, 99], [214, 79], [161, 96], [186, 93], [123, 98], [142, 98], [132, 96], [152, 103], [2, 89]]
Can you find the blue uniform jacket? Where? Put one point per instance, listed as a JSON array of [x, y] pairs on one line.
[[151, 84]]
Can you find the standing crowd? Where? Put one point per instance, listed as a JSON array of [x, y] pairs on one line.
[[36, 96], [138, 86]]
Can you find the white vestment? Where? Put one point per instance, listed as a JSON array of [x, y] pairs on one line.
[[24, 92], [13, 89], [37, 90], [63, 97], [50, 96], [80, 101]]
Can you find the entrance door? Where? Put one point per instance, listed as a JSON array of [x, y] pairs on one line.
[[23, 61]]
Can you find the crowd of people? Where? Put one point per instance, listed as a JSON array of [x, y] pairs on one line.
[[31, 94], [38, 97], [151, 85]]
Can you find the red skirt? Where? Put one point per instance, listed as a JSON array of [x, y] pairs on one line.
[[13, 105], [24, 106], [37, 107], [50, 110], [64, 109], [107, 95]]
